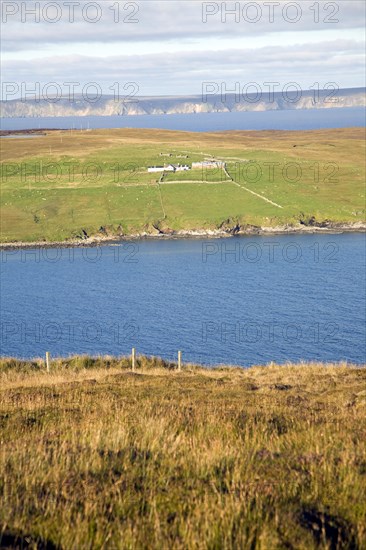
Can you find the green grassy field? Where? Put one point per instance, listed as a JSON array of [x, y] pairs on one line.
[[56, 186], [96, 456]]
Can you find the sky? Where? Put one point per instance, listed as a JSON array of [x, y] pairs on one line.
[[178, 47]]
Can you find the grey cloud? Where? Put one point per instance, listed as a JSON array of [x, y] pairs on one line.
[[171, 20]]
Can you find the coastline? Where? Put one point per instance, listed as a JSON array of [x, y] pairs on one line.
[[103, 240]]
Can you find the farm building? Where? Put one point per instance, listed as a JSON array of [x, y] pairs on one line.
[[181, 167], [209, 164], [168, 168], [155, 169]]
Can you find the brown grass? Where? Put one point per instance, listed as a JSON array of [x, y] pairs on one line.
[[95, 456]]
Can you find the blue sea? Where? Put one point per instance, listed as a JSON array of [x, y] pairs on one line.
[[204, 122], [246, 300]]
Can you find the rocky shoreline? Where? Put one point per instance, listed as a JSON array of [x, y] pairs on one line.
[[237, 231]]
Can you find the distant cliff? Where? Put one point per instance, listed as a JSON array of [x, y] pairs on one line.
[[108, 106]]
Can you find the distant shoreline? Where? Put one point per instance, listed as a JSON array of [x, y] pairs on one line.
[[98, 240], [29, 131]]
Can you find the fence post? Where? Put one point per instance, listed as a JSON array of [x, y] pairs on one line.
[[48, 361], [133, 358], [179, 361]]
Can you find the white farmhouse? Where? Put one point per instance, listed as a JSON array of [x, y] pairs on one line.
[[155, 169], [167, 168]]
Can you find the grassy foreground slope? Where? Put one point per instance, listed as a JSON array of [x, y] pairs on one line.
[[95, 456], [64, 184]]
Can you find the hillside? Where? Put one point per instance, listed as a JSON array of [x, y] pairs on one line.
[[96, 456], [62, 185]]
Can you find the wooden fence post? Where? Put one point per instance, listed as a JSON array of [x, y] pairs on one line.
[[179, 361], [133, 358], [48, 361]]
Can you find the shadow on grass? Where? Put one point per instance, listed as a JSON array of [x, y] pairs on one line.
[[332, 531], [18, 541]]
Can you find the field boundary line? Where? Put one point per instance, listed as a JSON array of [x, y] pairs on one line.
[[252, 192], [257, 194], [161, 200]]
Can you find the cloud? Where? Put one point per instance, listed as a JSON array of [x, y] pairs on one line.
[[169, 49], [184, 72], [166, 21]]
